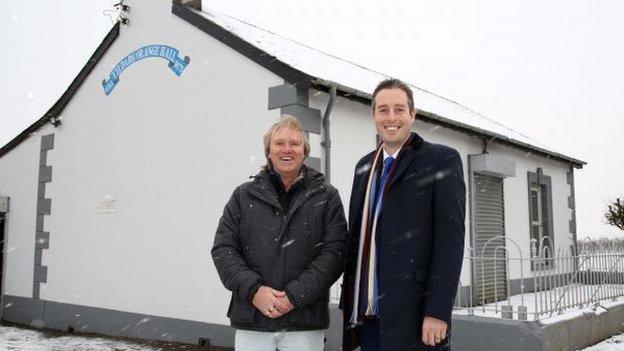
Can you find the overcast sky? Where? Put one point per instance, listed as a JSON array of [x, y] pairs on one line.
[[552, 70]]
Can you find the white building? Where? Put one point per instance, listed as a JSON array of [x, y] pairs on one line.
[[116, 192]]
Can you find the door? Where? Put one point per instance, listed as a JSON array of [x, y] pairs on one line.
[[490, 263]]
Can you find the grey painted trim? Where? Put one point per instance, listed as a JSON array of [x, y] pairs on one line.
[[87, 319], [45, 174], [492, 165], [43, 157], [47, 142], [41, 274], [572, 206], [38, 258], [309, 117], [493, 334], [288, 94], [41, 190], [471, 333], [545, 181], [473, 244], [22, 310], [468, 332], [583, 331], [292, 99], [3, 261], [44, 207], [60, 316], [314, 162], [36, 290], [39, 225], [42, 240]]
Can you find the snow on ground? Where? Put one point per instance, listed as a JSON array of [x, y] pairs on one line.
[[23, 339], [548, 301], [13, 338], [614, 343]]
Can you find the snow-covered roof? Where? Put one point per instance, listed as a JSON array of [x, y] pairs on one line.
[[351, 78]]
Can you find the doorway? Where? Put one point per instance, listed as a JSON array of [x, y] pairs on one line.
[[490, 265]]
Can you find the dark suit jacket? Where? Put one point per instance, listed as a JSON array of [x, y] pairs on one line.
[[420, 243]]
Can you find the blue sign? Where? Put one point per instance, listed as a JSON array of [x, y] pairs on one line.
[[176, 64]]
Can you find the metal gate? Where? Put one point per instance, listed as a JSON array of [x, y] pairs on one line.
[[490, 265]]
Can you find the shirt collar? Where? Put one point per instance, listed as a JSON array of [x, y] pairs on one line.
[[386, 154]]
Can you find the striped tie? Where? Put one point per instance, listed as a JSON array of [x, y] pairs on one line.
[[369, 303]]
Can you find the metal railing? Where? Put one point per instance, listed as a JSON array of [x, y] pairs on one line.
[[508, 285]]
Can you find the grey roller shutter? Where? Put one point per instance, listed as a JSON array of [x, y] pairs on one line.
[[490, 265]]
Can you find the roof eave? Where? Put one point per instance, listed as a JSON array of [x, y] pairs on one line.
[[60, 104], [363, 97], [257, 55], [295, 76]]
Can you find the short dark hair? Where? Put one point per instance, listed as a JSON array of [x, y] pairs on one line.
[[393, 83]]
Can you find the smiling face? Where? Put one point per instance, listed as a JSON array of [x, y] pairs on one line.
[[286, 152], [393, 118]]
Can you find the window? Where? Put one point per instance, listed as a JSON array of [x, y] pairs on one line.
[[540, 216]]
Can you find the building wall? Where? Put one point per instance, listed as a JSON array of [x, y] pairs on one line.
[[517, 202], [141, 175], [19, 171]]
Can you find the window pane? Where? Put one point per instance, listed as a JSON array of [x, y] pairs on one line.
[[534, 206]]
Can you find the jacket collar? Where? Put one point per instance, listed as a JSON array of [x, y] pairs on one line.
[[407, 154], [263, 189]]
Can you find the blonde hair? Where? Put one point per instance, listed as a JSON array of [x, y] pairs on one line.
[[289, 122]]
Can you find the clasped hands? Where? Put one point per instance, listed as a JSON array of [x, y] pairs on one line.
[[272, 303]]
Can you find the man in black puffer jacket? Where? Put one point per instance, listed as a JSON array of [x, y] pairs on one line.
[[279, 247]]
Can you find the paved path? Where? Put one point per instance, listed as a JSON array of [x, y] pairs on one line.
[[13, 338]]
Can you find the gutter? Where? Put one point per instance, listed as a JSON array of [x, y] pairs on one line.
[[326, 143]]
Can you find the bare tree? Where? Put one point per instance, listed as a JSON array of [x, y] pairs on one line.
[[615, 214]]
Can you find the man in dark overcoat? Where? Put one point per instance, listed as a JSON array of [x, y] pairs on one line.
[[406, 235]]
